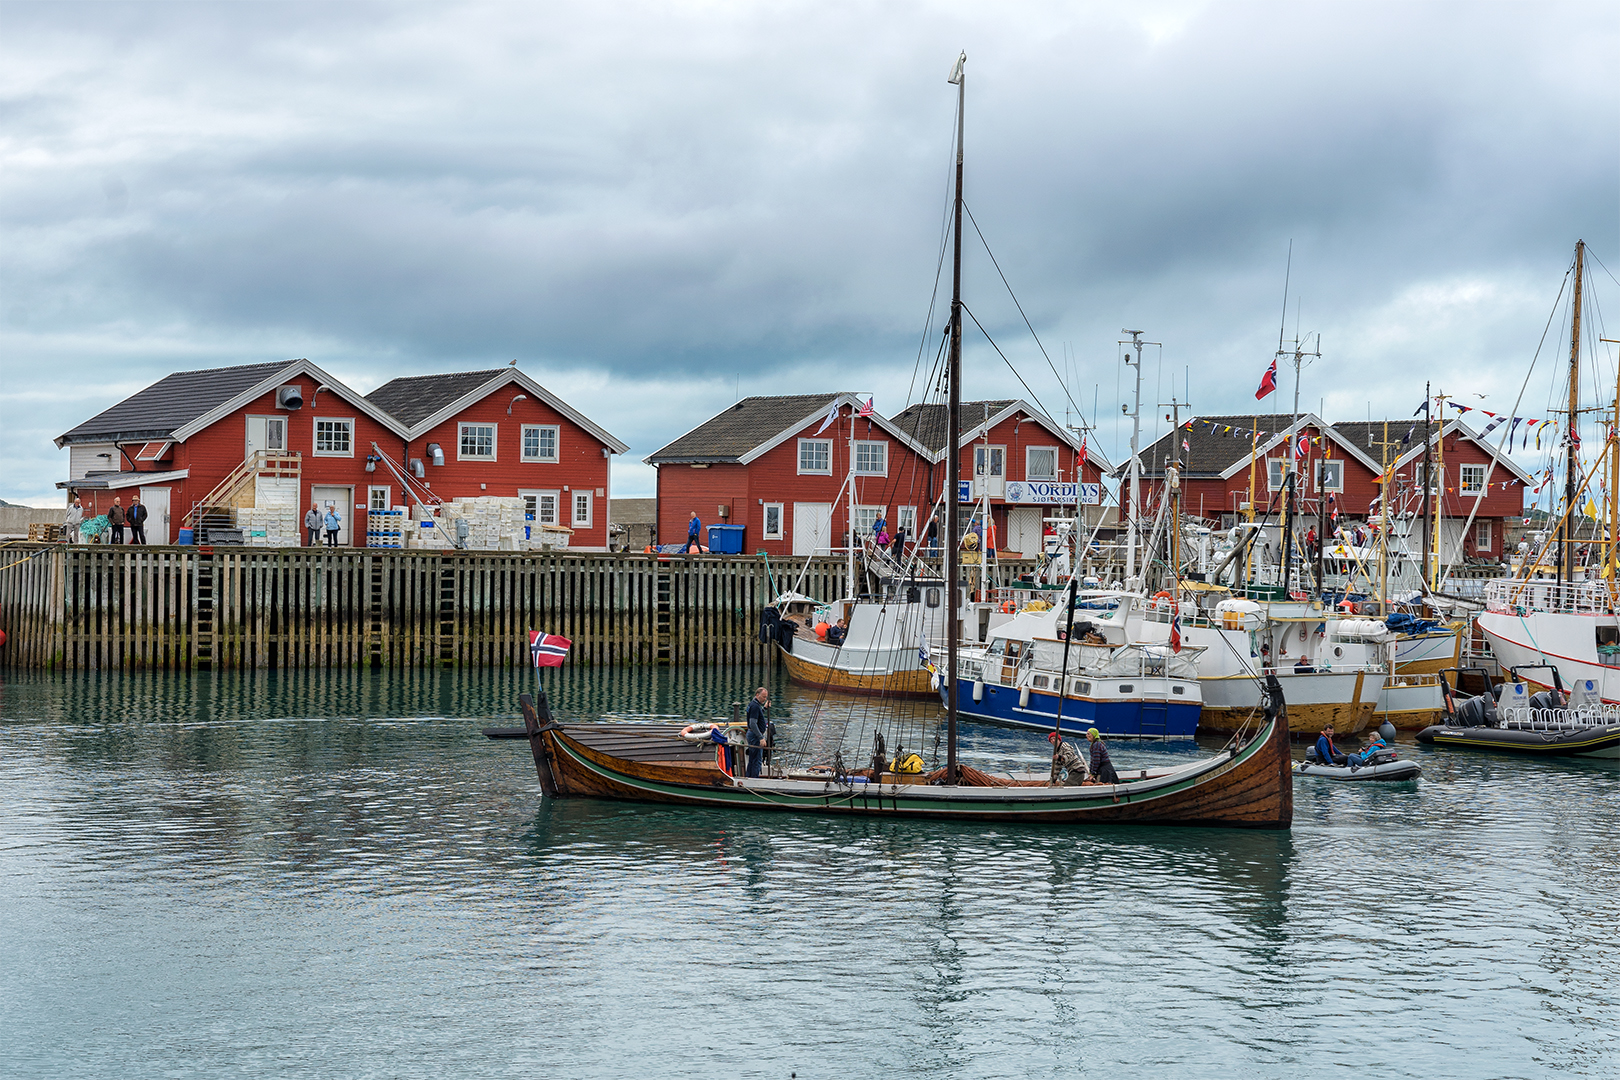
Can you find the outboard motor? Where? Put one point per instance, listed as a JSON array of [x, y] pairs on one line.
[[1547, 699], [1477, 712]]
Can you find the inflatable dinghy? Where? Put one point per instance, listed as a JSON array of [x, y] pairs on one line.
[[1390, 771], [1512, 719]]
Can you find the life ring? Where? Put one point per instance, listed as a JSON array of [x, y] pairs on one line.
[[1162, 599], [691, 733]]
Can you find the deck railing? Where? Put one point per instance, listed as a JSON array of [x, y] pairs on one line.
[[1514, 597]]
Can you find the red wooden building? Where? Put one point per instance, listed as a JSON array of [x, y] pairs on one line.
[[777, 466], [1341, 463], [179, 443], [1013, 455], [499, 432]]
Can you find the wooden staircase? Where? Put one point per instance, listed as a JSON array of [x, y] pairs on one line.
[[215, 512]]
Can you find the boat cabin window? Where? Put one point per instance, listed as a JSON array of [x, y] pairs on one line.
[[1178, 689], [1079, 687], [1039, 682], [932, 598], [1126, 688], [1608, 635], [1015, 648]]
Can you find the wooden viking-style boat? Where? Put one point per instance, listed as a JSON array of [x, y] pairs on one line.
[[1248, 784]]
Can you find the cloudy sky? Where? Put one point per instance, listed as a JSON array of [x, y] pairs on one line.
[[656, 207]]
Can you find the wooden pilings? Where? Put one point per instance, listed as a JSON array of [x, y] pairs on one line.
[[190, 608]]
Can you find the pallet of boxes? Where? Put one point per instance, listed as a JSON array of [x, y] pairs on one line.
[[275, 522], [47, 532], [483, 523]]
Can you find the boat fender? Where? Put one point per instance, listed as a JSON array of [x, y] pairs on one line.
[[1023, 697], [1387, 730], [1007, 607], [978, 689]]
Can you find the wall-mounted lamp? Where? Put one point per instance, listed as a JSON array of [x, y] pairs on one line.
[[514, 401]]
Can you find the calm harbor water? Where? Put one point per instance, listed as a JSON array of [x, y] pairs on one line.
[[335, 875]]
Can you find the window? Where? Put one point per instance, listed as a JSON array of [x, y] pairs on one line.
[[815, 456], [1040, 463], [582, 509], [1330, 476], [773, 521], [865, 518], [1472, 478], [1482, 535], [1274, 473], [477, 443], [334, 438], [905, 517], [539, 442], [1417, 476], [378, 500], [540, 506], [871, 459]]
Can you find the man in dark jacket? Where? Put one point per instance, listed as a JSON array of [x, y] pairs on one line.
[[137, 520], [1326, 752], [694, 530], [116, 518], [757, 726], [1102, 768]]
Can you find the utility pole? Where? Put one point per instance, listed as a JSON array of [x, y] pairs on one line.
[[1135, 343]]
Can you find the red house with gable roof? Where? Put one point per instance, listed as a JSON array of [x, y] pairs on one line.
[[499, 432], [1025, 465], [779, 466]]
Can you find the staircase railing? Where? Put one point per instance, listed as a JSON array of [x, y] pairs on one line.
[[226, 494]]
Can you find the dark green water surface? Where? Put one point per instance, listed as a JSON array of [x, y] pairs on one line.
[[336, 875]]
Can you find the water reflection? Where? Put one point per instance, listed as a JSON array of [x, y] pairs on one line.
[[345, 852]]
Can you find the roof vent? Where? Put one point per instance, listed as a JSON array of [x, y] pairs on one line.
[[290, 397]]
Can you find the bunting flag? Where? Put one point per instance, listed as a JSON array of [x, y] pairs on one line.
[[832, 415], [548, 650], [1423, 408], [1268, 381]]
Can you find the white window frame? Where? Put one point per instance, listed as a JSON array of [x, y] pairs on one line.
[[1482, 534], [371, 498], [461, 435], [1276, 469], [803, 444], [765, 521], [866, 517], [1465, 473], [581, 521], [868, 446], [905, 517], [347, 422], [556, 442], [1417, 476], [1330, 465], [536, 496], [1030, 473]]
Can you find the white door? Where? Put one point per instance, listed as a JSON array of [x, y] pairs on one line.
[[990, 471], [1024, 530], [812, 528], [266, 433], [156, 501], [339, 498]]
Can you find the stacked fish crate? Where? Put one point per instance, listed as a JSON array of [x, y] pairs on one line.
[[385, 529], [274, 525]]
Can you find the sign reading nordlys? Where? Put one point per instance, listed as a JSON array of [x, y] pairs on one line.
[[1041, 492]]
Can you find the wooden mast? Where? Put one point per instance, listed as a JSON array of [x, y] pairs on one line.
[[1572, 466], [953, 470]]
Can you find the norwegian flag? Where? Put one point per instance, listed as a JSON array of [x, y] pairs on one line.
[[1083, 457], [1175, 630], [1302, 446], [1333, 502], [548, 650], [866, 410], [1268, 381]]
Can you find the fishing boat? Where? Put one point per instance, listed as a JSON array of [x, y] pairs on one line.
[[1248, 783]]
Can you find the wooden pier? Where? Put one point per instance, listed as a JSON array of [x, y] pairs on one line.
[[188, 608]]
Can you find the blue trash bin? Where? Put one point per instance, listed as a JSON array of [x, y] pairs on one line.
[[185, 537], [725, 539]]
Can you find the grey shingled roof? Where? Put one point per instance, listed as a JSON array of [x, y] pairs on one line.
[[1213, 451], [416, 397], [927, 423], [170, 403], [736, 430]]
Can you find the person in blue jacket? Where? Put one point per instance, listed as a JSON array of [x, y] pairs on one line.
[[694, 529], [1326, 752], [1375, 745]]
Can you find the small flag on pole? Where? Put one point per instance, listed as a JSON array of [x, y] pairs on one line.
[[1268, 381], [548, 650], [1302, 447], [1175, 629], [832, 414], [866, 410], [1083, 457]]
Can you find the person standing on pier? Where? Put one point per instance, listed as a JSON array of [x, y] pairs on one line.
[[116, 518], [694, 529], [74, 523], [334, 521], [757, 727], [137, 520], [312, 522]]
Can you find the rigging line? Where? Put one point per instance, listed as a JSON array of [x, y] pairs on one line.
[[1003, 356], [1606, 270], [939, 265], [1020, 308]]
